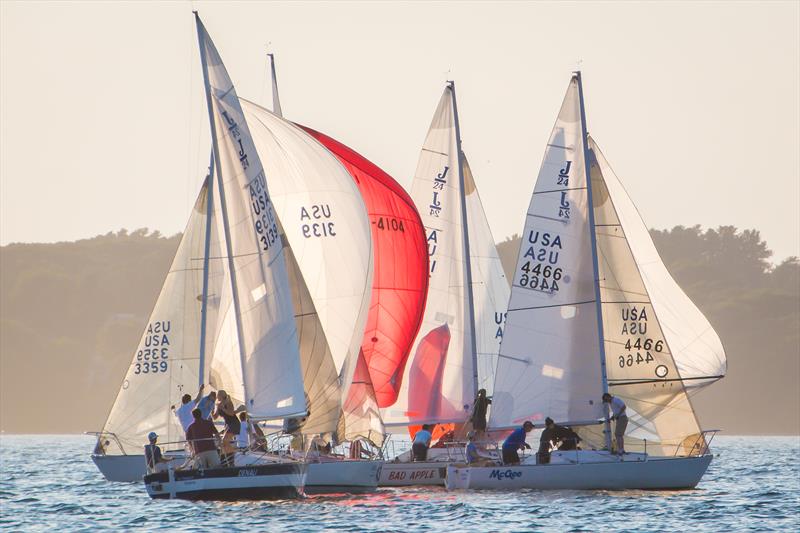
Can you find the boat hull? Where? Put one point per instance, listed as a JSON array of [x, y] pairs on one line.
[[409, 474], [602, 473], [255, 482], [343, 476]]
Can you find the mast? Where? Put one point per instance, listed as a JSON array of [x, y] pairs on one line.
[[276, 100], [467, 261], [206, 251], [595, 266], [223, 204]]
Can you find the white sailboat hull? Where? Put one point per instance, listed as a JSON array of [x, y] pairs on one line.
[[328, 474], [585, 471], [343, 476]]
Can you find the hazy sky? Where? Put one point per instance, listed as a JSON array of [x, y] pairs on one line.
[[696, 105]]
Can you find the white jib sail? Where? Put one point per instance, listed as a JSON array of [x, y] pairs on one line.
[[273, 383], [438, 379], [639, 363], [326, 223], [549, 362], [490, 288], [695, 346], [165, 364]]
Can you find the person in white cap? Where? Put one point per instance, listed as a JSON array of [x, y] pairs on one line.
[[152, 454]]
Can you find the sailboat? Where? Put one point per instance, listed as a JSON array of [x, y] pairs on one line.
[[594, 310], [455, 352], [265, 319], [301, 173]]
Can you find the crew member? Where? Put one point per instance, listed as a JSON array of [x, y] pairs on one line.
[[618, 413], [516, 442], [422, 440], [152, 455], [201, 436], [184, 412]]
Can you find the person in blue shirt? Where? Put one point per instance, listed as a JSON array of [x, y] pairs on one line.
[[422, 441], [207, 404], [471, 453], [516, 442]]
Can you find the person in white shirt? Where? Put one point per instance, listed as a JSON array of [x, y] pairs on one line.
[[618, 413], [184, 412]]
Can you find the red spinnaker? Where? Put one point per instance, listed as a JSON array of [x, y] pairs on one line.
[[400, 281]]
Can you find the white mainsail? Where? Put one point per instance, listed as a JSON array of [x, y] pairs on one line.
[[266, 332], [326, 224], [695, 346], [166, 363], [490, 289], [549, 363]]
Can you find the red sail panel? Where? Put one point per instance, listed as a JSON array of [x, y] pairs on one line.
[[426, 373], [400, 281]]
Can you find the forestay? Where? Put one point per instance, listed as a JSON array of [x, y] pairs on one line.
[[165, 364], [549, 363], [438, 383], [326, 223], [490, 289], [266, 332]]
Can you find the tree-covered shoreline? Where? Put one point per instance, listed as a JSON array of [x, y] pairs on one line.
[[72, 312]]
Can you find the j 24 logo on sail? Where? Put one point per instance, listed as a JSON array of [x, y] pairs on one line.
[[504, 474]]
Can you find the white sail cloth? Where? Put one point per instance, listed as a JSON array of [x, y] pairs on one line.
[[437, 382], [267, 336], [695, 346], [490, 288], [326, 224], [549, 363], [165, 364]]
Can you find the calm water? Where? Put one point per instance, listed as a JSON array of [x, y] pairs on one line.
[[753, 484]]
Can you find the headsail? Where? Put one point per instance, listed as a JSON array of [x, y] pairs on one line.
[[695, 346], [490, 287], [641, 367], [326, 223], [266, 332], [165, 364], [549, 363]]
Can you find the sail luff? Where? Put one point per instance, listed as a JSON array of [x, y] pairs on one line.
[[276, 100], [465, 235], [206, 251], [223, 205], [595, 267]]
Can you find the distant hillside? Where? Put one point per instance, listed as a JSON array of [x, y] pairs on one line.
[[71, 313]]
